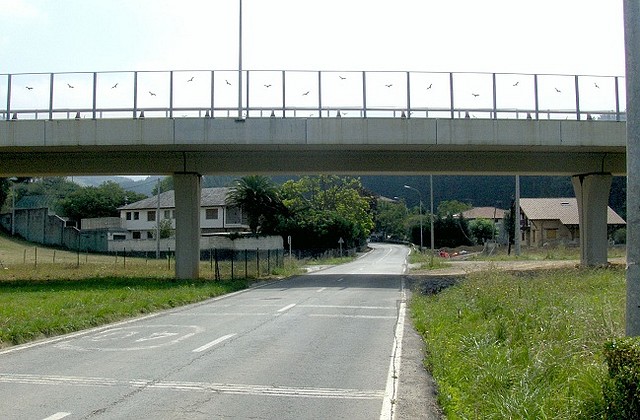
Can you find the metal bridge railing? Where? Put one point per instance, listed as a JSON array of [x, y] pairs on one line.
[[310, 94]]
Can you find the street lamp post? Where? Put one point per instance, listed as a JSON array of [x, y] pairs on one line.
[[420, 195], [433, 241], [240, 62]]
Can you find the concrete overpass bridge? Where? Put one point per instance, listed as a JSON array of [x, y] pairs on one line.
[[188, 123]]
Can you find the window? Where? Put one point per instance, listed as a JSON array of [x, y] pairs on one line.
[[234, 216], [211, 214], [149, 235], [552, 233], [167, 214], [128, 215], [136, 215], [135, 235], [151, 216]]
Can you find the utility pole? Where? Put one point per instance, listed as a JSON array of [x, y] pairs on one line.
[[632, 61], [158, 222], [517, 233]]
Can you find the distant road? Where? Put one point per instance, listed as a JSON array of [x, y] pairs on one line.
[[318, 346]]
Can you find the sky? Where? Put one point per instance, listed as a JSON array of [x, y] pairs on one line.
[[542, 36]]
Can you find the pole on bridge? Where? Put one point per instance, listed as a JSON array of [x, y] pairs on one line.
[[632, 61], [240, 61]]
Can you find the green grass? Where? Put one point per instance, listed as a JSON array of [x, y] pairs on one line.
[[34, 309], [427, 262], [545, 253], [525, 345], [46, 292]]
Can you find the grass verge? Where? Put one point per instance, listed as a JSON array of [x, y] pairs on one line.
[[31, 309], [522, 345], [427, 261]]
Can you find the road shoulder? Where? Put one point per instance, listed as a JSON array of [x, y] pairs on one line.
[[417, 394]]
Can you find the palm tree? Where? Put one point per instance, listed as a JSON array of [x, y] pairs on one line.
[[258, 198]]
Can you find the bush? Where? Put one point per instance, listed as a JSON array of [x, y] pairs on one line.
[[622, 389], [620, 236]]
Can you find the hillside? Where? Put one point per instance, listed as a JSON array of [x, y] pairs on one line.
[[476, 190]]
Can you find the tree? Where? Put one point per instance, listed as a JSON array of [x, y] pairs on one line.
[[390, 219], [166, 229], [259, 200], [101, 201], [452, 207], [327, 208], [166, 184], [482, 230]]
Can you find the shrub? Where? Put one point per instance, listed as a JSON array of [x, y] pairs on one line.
[[620, 236], [622, 389]]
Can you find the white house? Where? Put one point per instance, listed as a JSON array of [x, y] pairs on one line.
[[140, 219]]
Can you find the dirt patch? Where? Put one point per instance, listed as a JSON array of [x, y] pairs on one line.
[[431, 284]]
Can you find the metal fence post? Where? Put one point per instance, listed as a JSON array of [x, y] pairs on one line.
[[257, 262], [51, 96], [451, 95], [364, 94], [320, 94], [577, 97], [284, 95], [617, 87], [171, 94], [536, 97], [495, 98], [233, 257], [95, 95], [408, 95], [135, 95], [212, 92], [246, 263], [8, 117]]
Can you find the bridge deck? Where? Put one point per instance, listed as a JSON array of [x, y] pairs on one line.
[[311, 145]]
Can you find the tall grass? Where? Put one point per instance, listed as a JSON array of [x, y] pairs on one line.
[[525, 345]]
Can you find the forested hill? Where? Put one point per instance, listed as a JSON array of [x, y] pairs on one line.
[[478, 191]]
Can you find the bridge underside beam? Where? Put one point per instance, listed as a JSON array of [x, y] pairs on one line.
[[592, 194], [296, 160]]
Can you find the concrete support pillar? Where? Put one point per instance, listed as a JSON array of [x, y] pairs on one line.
[[632, 61], [592, 193], [187, 198]]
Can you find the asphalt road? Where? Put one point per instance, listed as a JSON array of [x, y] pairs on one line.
[[320, 346]]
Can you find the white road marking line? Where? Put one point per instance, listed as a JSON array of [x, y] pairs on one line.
[[351, 316], [321, 290], [349, 307], [340, 279], [388, 411], [199, 314], [237, 389], [58, 416], [286, 308], [213, 343]]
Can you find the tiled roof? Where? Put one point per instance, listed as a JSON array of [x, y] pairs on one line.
[[563, 209], [484, 213], [210, 197]]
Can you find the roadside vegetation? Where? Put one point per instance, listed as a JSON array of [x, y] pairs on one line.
[[558, 252], [79, 291], [426, 261], [522, 345]]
